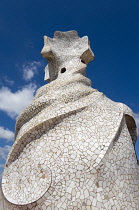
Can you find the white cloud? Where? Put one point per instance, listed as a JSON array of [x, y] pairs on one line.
[[1, 171], [3, 156], [6, 80], [10, 82], [14, 103], [136, 115], [30, 69], [6, 134], [4, 152]]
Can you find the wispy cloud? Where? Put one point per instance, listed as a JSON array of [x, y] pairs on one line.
[[3, 156], [14, 103], [8, 81], [30, 69], [4, 152], [6, 134], [137, 119]]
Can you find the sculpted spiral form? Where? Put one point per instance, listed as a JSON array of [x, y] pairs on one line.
[[74, 147]]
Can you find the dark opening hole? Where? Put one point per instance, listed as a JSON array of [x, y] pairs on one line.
[[83, 61], [63, 70]]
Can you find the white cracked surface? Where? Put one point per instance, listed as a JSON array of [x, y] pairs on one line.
[[74, 147]]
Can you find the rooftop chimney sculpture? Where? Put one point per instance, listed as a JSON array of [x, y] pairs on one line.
[[74, 147]]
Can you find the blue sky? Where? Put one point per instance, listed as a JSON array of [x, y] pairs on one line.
[[113, 29]]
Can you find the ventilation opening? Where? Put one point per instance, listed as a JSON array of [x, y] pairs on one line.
[[63, 70], [83, 61]]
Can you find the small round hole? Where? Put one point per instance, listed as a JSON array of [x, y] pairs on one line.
[[63, 70], [83, 61]]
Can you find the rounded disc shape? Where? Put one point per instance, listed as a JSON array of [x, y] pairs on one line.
[[25, 182]]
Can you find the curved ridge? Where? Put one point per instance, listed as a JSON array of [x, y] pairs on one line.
[[54, 93]]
